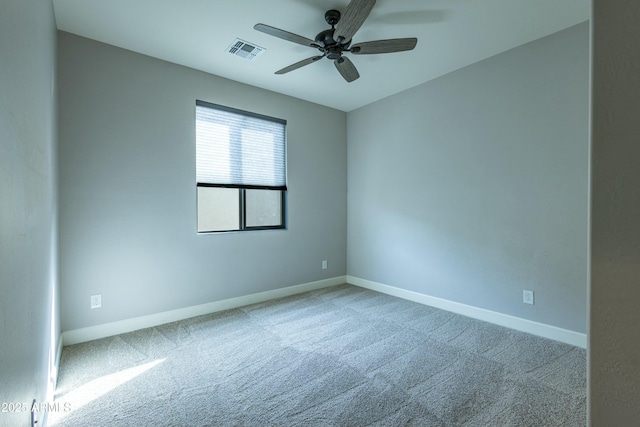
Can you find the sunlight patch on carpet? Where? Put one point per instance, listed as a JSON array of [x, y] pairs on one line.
[[87, 393]]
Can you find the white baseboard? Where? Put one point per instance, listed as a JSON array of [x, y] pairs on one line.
[[53, 382], [540, 329], [76, 336], [57, 363], [128, 325]]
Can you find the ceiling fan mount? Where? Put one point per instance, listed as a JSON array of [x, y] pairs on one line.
[[336, 41], [332, 17]]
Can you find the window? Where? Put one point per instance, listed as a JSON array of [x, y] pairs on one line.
[[240, 169]]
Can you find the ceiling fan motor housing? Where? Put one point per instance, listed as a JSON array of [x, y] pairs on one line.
[[326, 37], [334, 52]]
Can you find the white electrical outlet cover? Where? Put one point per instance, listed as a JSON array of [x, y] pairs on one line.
[[96, 301]]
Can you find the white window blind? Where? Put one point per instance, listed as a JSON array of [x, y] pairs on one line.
[[236, 148]]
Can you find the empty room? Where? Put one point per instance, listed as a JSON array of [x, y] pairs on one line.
[[319, 213]]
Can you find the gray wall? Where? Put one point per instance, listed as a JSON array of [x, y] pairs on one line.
[[614, 343], [128, 195], [29, 320], [473, 187]]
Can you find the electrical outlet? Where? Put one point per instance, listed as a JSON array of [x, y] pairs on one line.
[[96, 301], [324, 264], [527, 297]]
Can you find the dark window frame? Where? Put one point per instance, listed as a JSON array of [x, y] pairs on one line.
[[241, 187], [243, 207]]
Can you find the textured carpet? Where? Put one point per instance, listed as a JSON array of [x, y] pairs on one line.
[[341, 356]]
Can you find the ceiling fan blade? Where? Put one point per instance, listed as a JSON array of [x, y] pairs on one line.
[[346, 69], [352, 19], [285, 35], [299, 64], [384, 46]]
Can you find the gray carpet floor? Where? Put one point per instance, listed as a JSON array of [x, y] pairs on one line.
[[341, 356]]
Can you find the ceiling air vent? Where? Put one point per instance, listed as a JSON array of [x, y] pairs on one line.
[[243, 49]]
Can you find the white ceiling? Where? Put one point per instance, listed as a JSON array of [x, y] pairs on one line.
[[196, 33]]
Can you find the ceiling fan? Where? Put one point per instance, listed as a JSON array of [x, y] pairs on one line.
[[336, 41]]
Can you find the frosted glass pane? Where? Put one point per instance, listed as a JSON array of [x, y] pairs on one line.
[[218, 209], [263, 208]]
